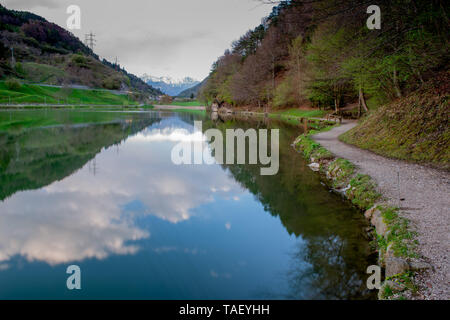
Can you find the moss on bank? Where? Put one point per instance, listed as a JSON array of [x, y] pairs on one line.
[[362, 192], [399, 238], [312, 149], [342, 170], [392, 237]]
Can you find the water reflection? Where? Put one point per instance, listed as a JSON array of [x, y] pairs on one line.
[[331, 262], [93, 216], [107, 196]]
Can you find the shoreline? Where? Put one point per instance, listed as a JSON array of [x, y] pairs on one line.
[[400, 238]]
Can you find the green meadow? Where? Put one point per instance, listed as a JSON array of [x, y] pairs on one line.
[[35, 94], [194, 103]]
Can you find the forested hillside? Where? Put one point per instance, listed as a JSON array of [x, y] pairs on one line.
[[322, 54], [46, 53]]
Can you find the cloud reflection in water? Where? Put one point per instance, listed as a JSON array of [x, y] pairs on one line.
[[83, 215]]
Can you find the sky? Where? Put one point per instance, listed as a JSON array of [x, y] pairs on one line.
[[175, 38]]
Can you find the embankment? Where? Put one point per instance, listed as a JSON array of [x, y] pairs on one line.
[[415, 128], [405, 203]]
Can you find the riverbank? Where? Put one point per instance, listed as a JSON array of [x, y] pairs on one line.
[[178, 107], [406, 203], [190, 109], [72, 106]]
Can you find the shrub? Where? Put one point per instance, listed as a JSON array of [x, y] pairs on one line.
[[19, 68], [112, 83], [80, 61], [13, 84], [166, 99]]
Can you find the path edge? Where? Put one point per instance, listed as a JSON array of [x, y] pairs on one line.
[[391, 234]]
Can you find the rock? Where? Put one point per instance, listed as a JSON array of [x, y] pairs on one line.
[[346, 188], [368, 214], [325, 163], [388, 234], [394, 289], [335, 171], [314, 166], [395, 266], [390, 251], [378, 222], [382, 256], [380, 293], [419, 266]]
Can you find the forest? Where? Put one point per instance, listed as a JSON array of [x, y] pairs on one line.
[[321, 54]]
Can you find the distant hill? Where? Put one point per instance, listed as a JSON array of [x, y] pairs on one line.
[[168, 85], [194, 90], [47, 53]]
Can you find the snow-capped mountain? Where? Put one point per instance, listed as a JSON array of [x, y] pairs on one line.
[[168, 85]]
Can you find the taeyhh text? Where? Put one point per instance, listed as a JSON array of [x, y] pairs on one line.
[[211, 142]]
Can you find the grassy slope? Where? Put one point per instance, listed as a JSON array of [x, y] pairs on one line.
[[303, 113], [40, 94], [187, 103], [42, 73], [415, 128]]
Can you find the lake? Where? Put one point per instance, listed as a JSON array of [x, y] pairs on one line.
[[98, 189]]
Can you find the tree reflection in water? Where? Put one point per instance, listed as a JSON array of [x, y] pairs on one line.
[[331, 261]]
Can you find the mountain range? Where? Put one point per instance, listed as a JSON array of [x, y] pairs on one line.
[[168, 85], [193, 90]]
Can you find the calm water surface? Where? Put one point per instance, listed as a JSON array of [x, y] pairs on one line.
[[99, 190]]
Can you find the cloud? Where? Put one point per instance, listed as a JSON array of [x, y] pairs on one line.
[[140, 48], [170, 134], [151, 37], [28, 5]]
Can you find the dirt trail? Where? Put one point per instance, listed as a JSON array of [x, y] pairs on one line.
[[426, 194]]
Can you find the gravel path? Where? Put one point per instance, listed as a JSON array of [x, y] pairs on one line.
[[427, 204]]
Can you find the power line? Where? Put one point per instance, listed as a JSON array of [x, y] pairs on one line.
[[90, 40], [13, 60], [116, 64]]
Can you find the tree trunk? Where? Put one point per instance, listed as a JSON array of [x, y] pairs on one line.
[[273, 75], [336, 105], [396, 86], [359, 108], [362, 100]]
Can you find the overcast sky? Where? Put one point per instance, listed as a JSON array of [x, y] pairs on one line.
[[175, 38]]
